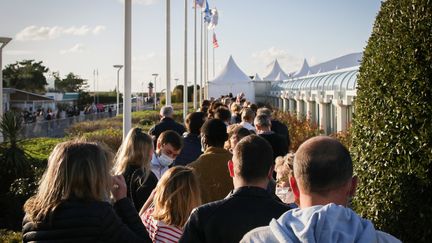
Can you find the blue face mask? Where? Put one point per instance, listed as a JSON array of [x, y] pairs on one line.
[[165, 160]]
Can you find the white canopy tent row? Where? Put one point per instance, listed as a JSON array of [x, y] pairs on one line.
[[231, 80], [276, 73]]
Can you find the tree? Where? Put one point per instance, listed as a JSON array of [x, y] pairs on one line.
[[71, 83], [392, 128], [26, 75]]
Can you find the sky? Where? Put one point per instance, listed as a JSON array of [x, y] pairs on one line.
[[81, 36]]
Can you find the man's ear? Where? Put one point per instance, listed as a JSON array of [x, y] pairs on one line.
[[158, 145], [270, 173], [231, 168], [294, 187], [353, 188]]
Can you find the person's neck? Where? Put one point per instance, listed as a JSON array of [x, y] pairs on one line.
[[313, 199], [238, 182]]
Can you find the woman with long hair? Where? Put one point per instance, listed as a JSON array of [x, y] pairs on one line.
[[167, 210], [72, 203], [133, 162]]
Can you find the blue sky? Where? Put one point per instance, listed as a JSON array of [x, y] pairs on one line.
[[82, 35]]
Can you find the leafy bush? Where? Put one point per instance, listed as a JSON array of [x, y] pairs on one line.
[[10, 236], [392, 129], [299, 129], [40, 148], [110, 137], [15, 162], [78, 129]]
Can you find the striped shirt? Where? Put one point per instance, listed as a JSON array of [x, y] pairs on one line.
[[158, 230]]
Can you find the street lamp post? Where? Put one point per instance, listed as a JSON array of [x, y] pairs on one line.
[[118, 88], [155, 92], [142, 95], [3, 42]]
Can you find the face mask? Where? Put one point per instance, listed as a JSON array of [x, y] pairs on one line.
[[165, 160], [285, 194]]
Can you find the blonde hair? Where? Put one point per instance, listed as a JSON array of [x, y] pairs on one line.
[[284, 168], [76, 169], [231, 130], [135, 150], [177, 193]]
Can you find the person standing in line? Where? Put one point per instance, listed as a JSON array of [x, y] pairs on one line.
[[213, 175], [132, 161], [166, 123], [168, 147], [166, 212], [191, 139], [248, 206], [72, 203], [323, 183]]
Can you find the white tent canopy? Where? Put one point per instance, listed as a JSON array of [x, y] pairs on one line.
[[304, 70], [231, 80], [257, 77], [276, 73]]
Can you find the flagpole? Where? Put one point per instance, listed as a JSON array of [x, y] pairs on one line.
[[201, 59], [195, 59], [97, 86], [168, 53], [185, 88], [207, 62], [94, 86], [213, 57], [127, 116]]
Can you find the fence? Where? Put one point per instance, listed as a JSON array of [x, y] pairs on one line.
[[56, 128]]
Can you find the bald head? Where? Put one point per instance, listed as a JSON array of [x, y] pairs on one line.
[[322, 164]]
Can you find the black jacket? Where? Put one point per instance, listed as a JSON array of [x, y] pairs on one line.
[[164, 125], [79, 221], [139, 190], [229, 219], [191, 149], [281, 129], [278, 143]]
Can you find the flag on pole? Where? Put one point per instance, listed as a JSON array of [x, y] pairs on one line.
[[214, 18], [215, 42], [207, 14], [199, 3]]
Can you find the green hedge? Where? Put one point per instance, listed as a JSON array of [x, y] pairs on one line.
[[392, 129]]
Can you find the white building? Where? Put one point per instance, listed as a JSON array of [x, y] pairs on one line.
[[323, 93]]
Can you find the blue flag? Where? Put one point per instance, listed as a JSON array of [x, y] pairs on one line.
[[207, 13]]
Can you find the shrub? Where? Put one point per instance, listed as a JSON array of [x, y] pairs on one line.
[[15, 162], [299, 129], [110, 137], [10, 236], [392, 129]]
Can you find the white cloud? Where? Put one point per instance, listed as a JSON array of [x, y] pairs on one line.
[[18, 52], [76, 48], [48, 33], [143, 2], [98, 29], [287, 61]]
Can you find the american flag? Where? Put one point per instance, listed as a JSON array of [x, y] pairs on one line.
[[215, 42]]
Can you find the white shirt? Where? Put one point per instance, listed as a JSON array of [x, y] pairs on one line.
[[247, 125]]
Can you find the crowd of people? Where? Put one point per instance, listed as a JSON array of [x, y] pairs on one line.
[[46, 114], [226, 175]]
